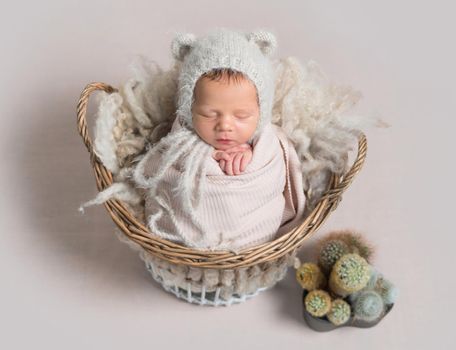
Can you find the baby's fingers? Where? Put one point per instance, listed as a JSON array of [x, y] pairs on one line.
[[246, 158], [218, 155], [229, 167], [222, 164], [237, 163]]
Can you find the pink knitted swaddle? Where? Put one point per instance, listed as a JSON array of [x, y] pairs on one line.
[[232, 212]]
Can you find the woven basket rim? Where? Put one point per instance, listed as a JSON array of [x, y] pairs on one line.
[[175, 253]]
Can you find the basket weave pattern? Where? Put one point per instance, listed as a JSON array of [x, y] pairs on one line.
[[181, 268]]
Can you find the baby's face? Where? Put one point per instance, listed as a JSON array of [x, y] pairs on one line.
[[225, 110]]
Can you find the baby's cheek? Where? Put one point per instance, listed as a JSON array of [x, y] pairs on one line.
[[204, 132], [248, 129]]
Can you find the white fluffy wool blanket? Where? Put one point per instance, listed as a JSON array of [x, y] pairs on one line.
[[316, 114], [215, 211]]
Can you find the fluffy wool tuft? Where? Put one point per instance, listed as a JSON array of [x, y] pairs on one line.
[[312, 111]]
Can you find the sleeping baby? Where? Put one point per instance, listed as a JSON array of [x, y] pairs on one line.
[[225, 177]]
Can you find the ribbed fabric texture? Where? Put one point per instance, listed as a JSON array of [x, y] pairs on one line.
[[190, 199], [235, 212]]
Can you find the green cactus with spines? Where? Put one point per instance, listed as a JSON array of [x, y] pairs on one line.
[[352, 243], [368, 306], [310, 276], [339, 313], [317, 302], [350, 274], [331, 251]]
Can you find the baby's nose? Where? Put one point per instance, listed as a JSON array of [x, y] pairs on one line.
[[224, 127], [224, 124]]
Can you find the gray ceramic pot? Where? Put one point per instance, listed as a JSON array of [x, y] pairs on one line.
[[321, 324]]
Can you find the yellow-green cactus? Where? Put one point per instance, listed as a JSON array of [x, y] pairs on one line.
[[350, 274], [339, 313], [317, 303], [310, 277]]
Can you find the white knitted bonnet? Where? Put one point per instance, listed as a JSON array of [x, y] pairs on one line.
[[223, 48]]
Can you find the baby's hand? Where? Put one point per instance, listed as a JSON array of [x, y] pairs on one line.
[[234, 160]]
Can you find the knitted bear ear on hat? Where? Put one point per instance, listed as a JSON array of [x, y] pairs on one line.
[[265, 40], [181, 45]]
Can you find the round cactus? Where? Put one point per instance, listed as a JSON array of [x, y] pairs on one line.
[[317, 303], [331, 251], [350, 274], [387, 290], [368, 306], [352, 243], [373, 279], [381, 285], [310, 276], [339, 313]]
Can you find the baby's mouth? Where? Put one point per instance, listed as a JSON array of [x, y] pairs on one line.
[[224, 138], [224, 141]]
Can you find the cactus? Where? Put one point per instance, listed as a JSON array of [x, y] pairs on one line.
[[310, 276], [352, 243], [350, 274], [381, 285], [339, 313], [369, 286], [373, 279], [331, 251], [387, 290], [317, 302], [368, 306], [357, 244]]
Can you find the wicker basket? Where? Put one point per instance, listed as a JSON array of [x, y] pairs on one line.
[[213, 278]]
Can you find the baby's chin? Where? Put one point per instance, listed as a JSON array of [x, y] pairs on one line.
[[224, 147]]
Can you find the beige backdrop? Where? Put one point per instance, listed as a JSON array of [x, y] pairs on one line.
[[68, 283]]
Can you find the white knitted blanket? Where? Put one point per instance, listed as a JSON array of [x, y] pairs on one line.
[[233, 212]]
